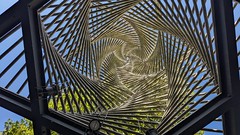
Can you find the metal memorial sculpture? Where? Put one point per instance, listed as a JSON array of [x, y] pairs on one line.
[[131, 66]]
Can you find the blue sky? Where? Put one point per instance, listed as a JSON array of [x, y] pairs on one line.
[[5, 114]]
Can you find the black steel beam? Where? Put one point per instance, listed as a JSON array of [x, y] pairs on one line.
[[228, 63], [201, 117], [63, 125], [10, 18], [36, 4], [25, 12], [21, 106], [226, 48], [34, 62], [229, 80], [32, 44], [15, 103]]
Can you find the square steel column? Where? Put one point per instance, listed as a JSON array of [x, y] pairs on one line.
[[227, 62], [34, 61]]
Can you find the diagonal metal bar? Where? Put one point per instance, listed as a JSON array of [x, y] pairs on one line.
[[202, 117], [15, 103], [10, 18]]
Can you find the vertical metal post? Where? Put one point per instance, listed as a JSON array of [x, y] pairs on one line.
[[34, 61], [227, 60]]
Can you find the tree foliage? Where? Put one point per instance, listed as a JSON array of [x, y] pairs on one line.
[[22, 127]]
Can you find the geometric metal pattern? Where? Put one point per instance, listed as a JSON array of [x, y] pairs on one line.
[[132, 64]]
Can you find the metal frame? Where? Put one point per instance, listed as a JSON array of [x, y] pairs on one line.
[[38, 48], [35, 110]]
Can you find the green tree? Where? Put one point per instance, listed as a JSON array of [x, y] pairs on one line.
[[22, 127], [201, 132]]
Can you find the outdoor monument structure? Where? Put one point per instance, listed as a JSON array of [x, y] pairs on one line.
[[130, 67]]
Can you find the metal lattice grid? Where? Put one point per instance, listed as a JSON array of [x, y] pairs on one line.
[[133, 65]]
